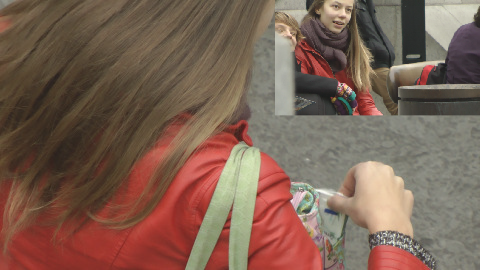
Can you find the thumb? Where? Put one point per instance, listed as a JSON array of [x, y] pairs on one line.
[[338, 203]]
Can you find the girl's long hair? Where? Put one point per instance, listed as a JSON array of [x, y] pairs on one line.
[[88, 87], [358, 55]]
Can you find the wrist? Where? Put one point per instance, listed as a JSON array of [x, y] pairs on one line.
[[402, 241], [402, 225]]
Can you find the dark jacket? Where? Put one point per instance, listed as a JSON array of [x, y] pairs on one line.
[[463, 56], [317, 89], [373, 36]]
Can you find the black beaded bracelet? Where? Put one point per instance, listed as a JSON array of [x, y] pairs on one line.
[[405, 242]]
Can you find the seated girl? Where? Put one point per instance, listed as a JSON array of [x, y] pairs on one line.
[[333, 48], [312, 92]]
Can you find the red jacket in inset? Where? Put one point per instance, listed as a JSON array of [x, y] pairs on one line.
[[313, 63]]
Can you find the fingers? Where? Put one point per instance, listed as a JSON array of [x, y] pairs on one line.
[[348, 186], [409, 201], [358, 172], [338, 204], [399, 181], [378, 199], [347, 206]]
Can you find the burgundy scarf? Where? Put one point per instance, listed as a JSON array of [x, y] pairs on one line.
[[331, 46]]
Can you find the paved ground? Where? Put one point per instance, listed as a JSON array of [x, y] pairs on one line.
[[438, 157]]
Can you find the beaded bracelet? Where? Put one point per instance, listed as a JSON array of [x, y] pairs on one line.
[[352, 96], [341, 89], [405, 242], [342, 106], [346, 92]]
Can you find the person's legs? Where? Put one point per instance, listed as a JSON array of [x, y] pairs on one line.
[[379, 86]]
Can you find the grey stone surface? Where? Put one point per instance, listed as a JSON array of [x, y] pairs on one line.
[[463, 13], [434, 2], [440, 24], [448, 87], [289, 4], [391, 2], [452, 92], [297, 14], [284, 82], [438, 157], [434, 50]]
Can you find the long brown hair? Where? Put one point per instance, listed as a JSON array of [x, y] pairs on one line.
[[358, 55], [87, 87]]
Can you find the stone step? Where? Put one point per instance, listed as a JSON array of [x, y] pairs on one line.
[[441, 21]]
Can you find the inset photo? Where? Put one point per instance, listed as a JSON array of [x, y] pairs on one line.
[[364, 57]]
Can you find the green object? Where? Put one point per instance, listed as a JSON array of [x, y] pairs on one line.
[[346, 105], [237, 186]]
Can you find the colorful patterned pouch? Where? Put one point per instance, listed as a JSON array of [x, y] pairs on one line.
[[325, 227]]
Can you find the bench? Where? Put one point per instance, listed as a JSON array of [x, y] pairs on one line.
[[439, 99]]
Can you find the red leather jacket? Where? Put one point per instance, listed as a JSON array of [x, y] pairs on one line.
[[164, 239], [313, 63]]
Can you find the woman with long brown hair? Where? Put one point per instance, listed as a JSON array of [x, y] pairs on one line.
[[333, 48], [117, 118]]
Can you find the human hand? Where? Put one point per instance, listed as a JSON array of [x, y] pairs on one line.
[[343, 90], [375, 199], [344, 98]]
